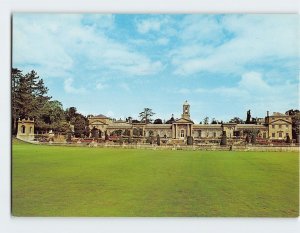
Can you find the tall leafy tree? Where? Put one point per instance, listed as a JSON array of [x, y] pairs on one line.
[[71, 114], [236, 120], [79, 125], [146, 115], [206, 120], [171, 120], [295, 115], [29, 94]]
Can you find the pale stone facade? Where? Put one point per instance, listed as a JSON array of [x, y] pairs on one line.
[[25, 129], [277, 126]]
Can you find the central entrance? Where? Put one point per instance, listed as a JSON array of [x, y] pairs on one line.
[[182, 134]]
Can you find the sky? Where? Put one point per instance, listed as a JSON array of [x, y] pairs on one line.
[[119, 64]]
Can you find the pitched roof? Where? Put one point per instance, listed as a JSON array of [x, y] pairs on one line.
[[183, 120], [101, 116]]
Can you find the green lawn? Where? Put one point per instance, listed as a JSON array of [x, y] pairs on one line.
[[73, 181]]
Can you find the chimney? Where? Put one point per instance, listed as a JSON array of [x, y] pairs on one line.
[[267, 113]]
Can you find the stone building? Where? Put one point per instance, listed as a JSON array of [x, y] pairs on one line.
[[277, 126], [25, 129]]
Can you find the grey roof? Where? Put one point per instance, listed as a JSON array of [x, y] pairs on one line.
[[101, 116]]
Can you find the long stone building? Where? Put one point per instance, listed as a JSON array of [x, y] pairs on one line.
[[275, 127]]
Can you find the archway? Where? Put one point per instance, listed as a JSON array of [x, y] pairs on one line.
[[23, 128]]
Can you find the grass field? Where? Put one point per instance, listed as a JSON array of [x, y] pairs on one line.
[[70, 181]]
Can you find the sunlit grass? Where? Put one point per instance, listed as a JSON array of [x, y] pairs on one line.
[[69, 181]]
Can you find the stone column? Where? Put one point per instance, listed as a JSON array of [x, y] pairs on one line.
[[131, 132]]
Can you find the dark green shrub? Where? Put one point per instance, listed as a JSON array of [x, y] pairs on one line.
[[158, 140], [190, 140]]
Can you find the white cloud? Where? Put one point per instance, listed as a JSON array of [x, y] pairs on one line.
[[250, 39], [101, 86], [253, 91], [55, 43], [37, 43], [162, 41], [145, 26], [69, 88], [99, 20], [253, 81], [201, 28]]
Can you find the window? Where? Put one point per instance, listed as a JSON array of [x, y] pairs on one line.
[[264, 135], [23, 129], [273, 135], [273, 126], [280, 134], [215, 134], [30, 130], [287, 126], [182, 133]]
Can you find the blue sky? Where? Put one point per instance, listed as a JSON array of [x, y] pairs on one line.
[[118, 64]]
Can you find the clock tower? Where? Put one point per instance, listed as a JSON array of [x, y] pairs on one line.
[[186, 110]]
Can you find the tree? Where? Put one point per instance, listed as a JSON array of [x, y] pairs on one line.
[[87, 131], [288, 139], [236, 120], [251, 135], [253, 139], [129, 140], [146, 115], [248, 120], [223, 139], [295, 115], [117, 132], [171, 120], [157, 121], [95, 133], [28, 95], [106, 137], [150, 140], [140, 132], [69, 136], [16, 76], [214, 121], [247, 140], [205, 120], [79, 126], [121, 140], [151, 132], [51, 116], [190, 140], [70, 114], [158, 140], [126, 132], [135, 132], [129, 119]]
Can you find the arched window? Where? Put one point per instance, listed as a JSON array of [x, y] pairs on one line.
[[23, 129]]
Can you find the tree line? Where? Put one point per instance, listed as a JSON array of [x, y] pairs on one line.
[[30, 99]]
